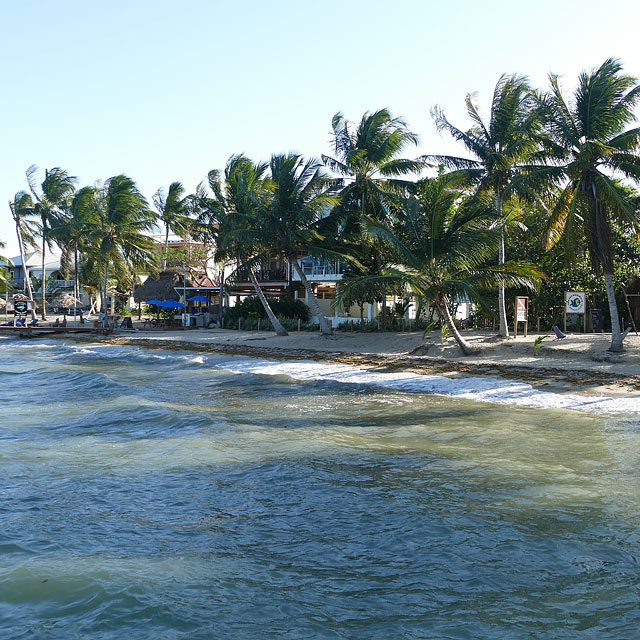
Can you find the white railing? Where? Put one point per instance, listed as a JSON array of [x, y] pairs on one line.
[[325, 270]]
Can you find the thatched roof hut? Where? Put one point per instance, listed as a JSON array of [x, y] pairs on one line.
[[19, 296], [3, 303], [164, 288], [66, 301]]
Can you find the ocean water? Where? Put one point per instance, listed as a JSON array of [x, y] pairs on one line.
[[169, 495]]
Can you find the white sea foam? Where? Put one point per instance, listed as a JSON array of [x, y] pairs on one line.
[[480, 388]]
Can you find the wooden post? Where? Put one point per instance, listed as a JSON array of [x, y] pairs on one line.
[[258, 324], [584, 322], [515, 326], [298, 324], [238, 324], [538, 326], [526, 327], [565, 316], [633, 322]]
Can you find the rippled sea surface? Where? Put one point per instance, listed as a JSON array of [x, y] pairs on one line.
[[161, 494]]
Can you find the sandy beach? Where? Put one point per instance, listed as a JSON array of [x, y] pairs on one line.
[[579, 362]]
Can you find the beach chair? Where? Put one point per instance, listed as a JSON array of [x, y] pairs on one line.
[[20, 322], [559, 334], [33, 323]]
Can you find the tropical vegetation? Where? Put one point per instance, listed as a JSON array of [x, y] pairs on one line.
[[543, 199]]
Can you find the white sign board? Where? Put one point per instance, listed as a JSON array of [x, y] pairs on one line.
[[521, 308], [575, 302]]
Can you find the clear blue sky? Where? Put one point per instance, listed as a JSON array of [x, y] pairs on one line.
[[166, 91]]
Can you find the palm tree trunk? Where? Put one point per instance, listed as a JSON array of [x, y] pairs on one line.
[[279, 329], [325, 327], [105, 310], [383, 317], [616, 333], [443, 308], [27, 281], [76, 284], [43, 280], [166, 247], [502, 307]]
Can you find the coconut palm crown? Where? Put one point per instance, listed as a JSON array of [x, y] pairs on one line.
[[442, 248], [229, 215], [502, 149], [588, 147]]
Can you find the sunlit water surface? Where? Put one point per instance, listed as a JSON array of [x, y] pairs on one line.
[[159, 494]]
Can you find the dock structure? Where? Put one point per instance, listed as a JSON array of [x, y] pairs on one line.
[[28, 332]]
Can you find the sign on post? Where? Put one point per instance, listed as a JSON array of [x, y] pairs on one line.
[[575, 302], [522, 310]]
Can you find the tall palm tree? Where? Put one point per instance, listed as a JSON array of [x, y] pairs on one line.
[[589, 145], [119, 236], [20, 207], [366, 156], [229, 215], [442, 248], [72, 230], [171, 210], [293, 222], [502, 148], [49, 199]]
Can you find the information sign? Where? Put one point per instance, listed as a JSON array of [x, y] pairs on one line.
[[575, 302], [521, 308]]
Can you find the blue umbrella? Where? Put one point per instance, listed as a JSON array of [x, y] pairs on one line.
[[171, 304], [154, 301], [198, 298]]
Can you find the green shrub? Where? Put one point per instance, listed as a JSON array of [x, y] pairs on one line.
[[251, 308]]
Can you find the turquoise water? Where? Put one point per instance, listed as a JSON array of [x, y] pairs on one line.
[[154, 494]]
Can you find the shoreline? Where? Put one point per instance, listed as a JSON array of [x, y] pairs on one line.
[[579, 364]]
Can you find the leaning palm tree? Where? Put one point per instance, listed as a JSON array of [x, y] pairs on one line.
[[442, 248], [171, 210], [299, 208], [502, 148], [119, 236], [366, 157], [20, 207], [49, 199], [588, 146], [229, 216]]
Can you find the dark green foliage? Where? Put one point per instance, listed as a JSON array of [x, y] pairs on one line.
[[252, 308]]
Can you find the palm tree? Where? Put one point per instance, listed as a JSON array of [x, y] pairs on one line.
[[52, 195], [366, 157], [293, 222], [72, 229], [502, 147], [230, 216], [588, 146], [171, 210], [442, 246], [118, 237], [20, 207]]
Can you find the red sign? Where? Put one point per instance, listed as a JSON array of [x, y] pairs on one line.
[[522, 304]]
